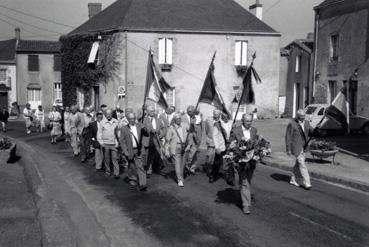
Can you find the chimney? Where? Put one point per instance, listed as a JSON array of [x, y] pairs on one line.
[[17, 33], [257, 10], [94, 9]]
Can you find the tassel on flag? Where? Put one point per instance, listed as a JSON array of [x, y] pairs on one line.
[[210, 93], [156, 85], [339, 110]]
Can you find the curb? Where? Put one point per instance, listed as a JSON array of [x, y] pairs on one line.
[[338, 180]]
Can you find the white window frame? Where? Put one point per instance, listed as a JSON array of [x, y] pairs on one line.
[[333, 50], [166, 95], [34, 97], [298, 63], [6, 74], [241, 53], [165, 51], [57, 90]]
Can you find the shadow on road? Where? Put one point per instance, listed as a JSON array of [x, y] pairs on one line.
[[280, 177], [14, 159], [229, 196]]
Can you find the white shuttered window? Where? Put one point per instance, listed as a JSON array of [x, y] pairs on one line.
[[170, 97], [240, 53], [165, 50]]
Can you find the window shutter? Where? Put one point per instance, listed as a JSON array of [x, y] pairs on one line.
[[57, 63], [169, 51], [297, 69], [244, 53], [33, 63], [161, 51], [237, 54], [93, 53]]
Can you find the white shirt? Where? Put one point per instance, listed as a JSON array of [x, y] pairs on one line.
[[133, 130], [302, 125], [27, 113], [153, 122], [246, 133]]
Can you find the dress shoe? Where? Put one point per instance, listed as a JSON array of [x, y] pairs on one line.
[[246, 210], [211, 180], [231, 183], [180, 183], [306, 187], [294, 183], [143, 188], [116, 177]]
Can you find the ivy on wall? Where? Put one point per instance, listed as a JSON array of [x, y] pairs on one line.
[[76, 73]]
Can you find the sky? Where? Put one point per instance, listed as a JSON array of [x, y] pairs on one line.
[[292, 18]]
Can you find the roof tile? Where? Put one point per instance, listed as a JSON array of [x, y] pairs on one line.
[[41, 46]]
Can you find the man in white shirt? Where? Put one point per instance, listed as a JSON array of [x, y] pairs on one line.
[[131, 143], [27, 114]]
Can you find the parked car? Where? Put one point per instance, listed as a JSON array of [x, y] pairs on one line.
[[315, 112], [58, 102]]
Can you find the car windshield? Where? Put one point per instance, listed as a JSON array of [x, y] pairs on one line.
[[310, 110]]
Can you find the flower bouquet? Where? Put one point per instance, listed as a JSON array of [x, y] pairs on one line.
[[5, 144], [322, 145], [245, 152]]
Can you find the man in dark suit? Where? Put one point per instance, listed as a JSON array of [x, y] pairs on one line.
[[131, 143], [151, 141], [117, 112], [297, 133], [245, 173], [94, 127]]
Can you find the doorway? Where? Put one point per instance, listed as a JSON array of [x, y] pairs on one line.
[[4, 100], [97, 98]]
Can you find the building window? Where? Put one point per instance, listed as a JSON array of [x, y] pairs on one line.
[[240, 53], [57, 90], [57, 63], [333, 52], [33, 63], [2, 75], [332, 90], [165, 50], [34, 97], [170, 96], [93, 58], [298, 64]]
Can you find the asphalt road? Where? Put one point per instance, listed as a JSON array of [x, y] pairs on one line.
[[85, 208]]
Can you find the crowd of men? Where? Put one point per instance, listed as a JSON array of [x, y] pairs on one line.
[[146, 143]]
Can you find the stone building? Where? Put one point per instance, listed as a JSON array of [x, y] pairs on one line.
[[38, 73], [299, 75], [342, 52], [183, 36], [8, 86]]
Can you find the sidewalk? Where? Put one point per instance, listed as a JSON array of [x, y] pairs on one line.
[[348, 170]]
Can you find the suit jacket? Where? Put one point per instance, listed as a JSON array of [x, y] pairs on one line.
[[209, 129], [148, 139], [93, 129], [126, 142], [237, 133], [4, 116], [296, 138], [171, 140]]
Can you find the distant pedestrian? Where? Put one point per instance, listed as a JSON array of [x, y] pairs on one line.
[[85, 137], [4, 116], [40, 119], [67, 124], [131, 144], [297, 133], [28, 117], [54, 118], [108, 139], [94, 128], [75, 131], [175, 146]]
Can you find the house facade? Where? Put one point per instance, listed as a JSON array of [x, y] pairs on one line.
[[299, 75], [8, 86], [38, 73], [183, 44], [342, 52]]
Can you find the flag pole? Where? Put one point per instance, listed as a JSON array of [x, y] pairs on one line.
[[243, 90], [146, 88], [212, 61], [317, 126]]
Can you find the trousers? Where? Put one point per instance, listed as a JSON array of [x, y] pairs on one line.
[[75, 142], [214, 162], [179, 162], [136, 170], [99, 157], [300, 173], [111, 154], [245, 176]]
